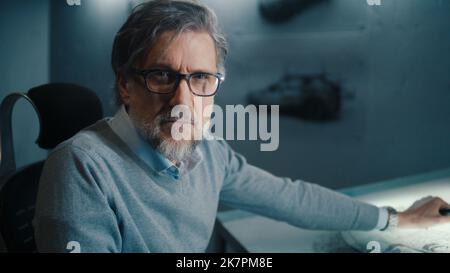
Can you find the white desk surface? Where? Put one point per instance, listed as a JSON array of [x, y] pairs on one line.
[[254, 233]]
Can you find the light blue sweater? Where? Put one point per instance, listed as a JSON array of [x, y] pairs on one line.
[[99, 193]]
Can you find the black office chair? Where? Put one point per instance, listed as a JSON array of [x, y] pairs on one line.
[[63, 110]]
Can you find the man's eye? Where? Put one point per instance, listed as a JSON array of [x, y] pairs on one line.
[[162, 76], [201, 76]]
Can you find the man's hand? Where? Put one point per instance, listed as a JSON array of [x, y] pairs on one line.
[[424, 213]]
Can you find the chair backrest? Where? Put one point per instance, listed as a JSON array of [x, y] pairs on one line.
[[63, 110]]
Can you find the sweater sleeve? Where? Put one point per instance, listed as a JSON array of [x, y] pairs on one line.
[[72, 211], [299, 203]]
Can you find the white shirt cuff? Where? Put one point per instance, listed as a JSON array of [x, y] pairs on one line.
[[383, 216]]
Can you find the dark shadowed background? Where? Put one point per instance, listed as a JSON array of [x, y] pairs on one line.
[[392, 60]]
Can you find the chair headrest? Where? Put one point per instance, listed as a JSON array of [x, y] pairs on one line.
[[64, 109]]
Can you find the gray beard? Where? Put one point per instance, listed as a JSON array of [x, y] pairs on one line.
[[174, 150]]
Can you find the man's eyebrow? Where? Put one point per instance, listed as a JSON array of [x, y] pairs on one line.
[[159, 66], [169, 67]]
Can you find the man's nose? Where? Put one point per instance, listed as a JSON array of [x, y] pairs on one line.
[[182, 95]]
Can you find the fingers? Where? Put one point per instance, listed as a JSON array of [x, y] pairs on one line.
[[441, 204], [427, 212], [443, 220], [421, 202], [427, 198], [436, 201]]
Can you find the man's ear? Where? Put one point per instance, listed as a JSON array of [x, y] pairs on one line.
[[123, 88]]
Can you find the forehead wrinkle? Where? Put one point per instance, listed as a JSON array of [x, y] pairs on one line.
[[162, 46], [159, 55]]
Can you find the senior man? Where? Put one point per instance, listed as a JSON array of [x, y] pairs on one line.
[[126, 185]]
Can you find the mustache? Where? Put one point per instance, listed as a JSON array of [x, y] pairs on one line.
[[166, 116]]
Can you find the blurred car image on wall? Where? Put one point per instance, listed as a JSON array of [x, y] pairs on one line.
[[310, 97]]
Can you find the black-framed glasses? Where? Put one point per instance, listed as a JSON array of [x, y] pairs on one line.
[[166, 81]]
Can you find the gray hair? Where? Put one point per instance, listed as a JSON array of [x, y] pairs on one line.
[[150, 19]]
